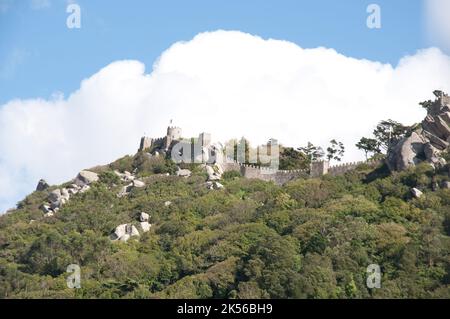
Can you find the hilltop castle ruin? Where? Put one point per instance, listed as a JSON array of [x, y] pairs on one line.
[[202, 150]]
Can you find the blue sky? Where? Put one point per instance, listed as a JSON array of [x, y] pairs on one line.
[[39, 55]]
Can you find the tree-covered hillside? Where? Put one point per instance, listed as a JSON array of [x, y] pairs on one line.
[[310, 238]]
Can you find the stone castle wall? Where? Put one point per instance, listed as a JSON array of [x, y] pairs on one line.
[[265, 173], [283, 176], [345, 167]]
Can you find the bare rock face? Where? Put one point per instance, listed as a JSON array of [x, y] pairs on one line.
[[427, 141], [85, 178], [54, 195], [42, 185]]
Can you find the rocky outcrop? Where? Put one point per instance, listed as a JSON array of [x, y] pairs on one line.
[[42, 185], [125, 190], [124, 232], [85, 178], [427, 141], [60, 196], [125, 176]]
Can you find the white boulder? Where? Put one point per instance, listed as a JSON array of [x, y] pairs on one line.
[[144, 217], [85, 178], [65, 194], [120, 230], [145, 226], [416, 193], [133, 231], [85, 188], [184, 172], [124, 232], [138, 184]]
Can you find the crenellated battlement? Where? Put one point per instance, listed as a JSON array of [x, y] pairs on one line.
[[317, 169], [345, 167]]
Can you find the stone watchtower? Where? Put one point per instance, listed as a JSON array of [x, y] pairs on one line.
[[173, 134], [146, 142], [319, 168]]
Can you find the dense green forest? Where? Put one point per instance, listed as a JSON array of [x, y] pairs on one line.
[[310, 238]]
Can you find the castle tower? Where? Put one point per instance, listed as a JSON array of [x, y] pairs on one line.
[[319, 168], [173, 134], [146, 142]]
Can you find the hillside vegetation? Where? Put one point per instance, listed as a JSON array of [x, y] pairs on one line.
[[310, 238]]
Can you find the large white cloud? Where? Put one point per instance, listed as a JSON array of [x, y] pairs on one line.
[[228, 83]]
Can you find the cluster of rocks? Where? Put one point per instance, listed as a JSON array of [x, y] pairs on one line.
[[125, 231], [125, 176], [214, 172], [128, 177], [58, 197], [426, 141], [417, 193]]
